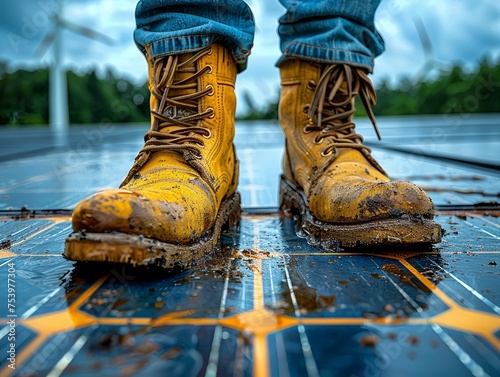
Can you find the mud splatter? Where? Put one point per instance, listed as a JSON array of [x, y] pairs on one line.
[[369, 340], [5, 244], [397, 271], [253, 257]]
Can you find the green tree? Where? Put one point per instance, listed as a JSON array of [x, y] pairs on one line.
[[91, 99]]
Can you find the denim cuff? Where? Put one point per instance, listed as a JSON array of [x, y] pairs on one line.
[[190, 43], [326, 55]]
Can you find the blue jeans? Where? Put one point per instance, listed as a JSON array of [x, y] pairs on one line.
[[328, 31]]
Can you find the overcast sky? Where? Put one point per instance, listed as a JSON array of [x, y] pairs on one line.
[[460, 31]]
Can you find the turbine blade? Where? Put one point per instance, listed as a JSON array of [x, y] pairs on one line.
[[87, 32], [44, 45], [424, 37]]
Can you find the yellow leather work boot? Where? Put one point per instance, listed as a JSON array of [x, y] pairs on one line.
[[340, 194], [181, 190]]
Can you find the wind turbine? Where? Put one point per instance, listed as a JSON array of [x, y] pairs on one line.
[[58, 88], [431, 63]]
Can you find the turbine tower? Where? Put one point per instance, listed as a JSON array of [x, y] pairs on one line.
[[58, 88]]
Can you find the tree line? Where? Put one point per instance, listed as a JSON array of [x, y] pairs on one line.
[[454, 91], [93, 98], [24, 98]]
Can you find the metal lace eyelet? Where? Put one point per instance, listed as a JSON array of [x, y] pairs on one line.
[[317, 142], [306, 130], [210, 51], [209, 135], [327, 153], [211, 88], [210, 70], [212, 115]]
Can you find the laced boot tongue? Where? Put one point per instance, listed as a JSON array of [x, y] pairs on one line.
[[176, 118], [177, 93], [178, 87], [332, 107]]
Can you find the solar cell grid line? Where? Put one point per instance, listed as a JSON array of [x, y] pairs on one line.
[[213, 358], [311, 367], [66, 359], [474, 292], [483, 218], [463, 356], [482, 230]]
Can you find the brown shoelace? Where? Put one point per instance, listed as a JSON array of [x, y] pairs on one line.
[[332, 109], [176, 124], [182, 136]]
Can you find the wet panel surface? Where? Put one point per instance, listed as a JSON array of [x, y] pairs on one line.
[[145, 350], [376, 351], [338, 286], [266, 304], [61, 176]]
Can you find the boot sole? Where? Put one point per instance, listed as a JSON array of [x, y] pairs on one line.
[[396, 231], [141, 251]]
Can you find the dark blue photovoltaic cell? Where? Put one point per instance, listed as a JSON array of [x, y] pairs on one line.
[[266, 302]]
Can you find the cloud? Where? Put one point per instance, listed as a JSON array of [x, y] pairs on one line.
[[462, 30], [23, 25]]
